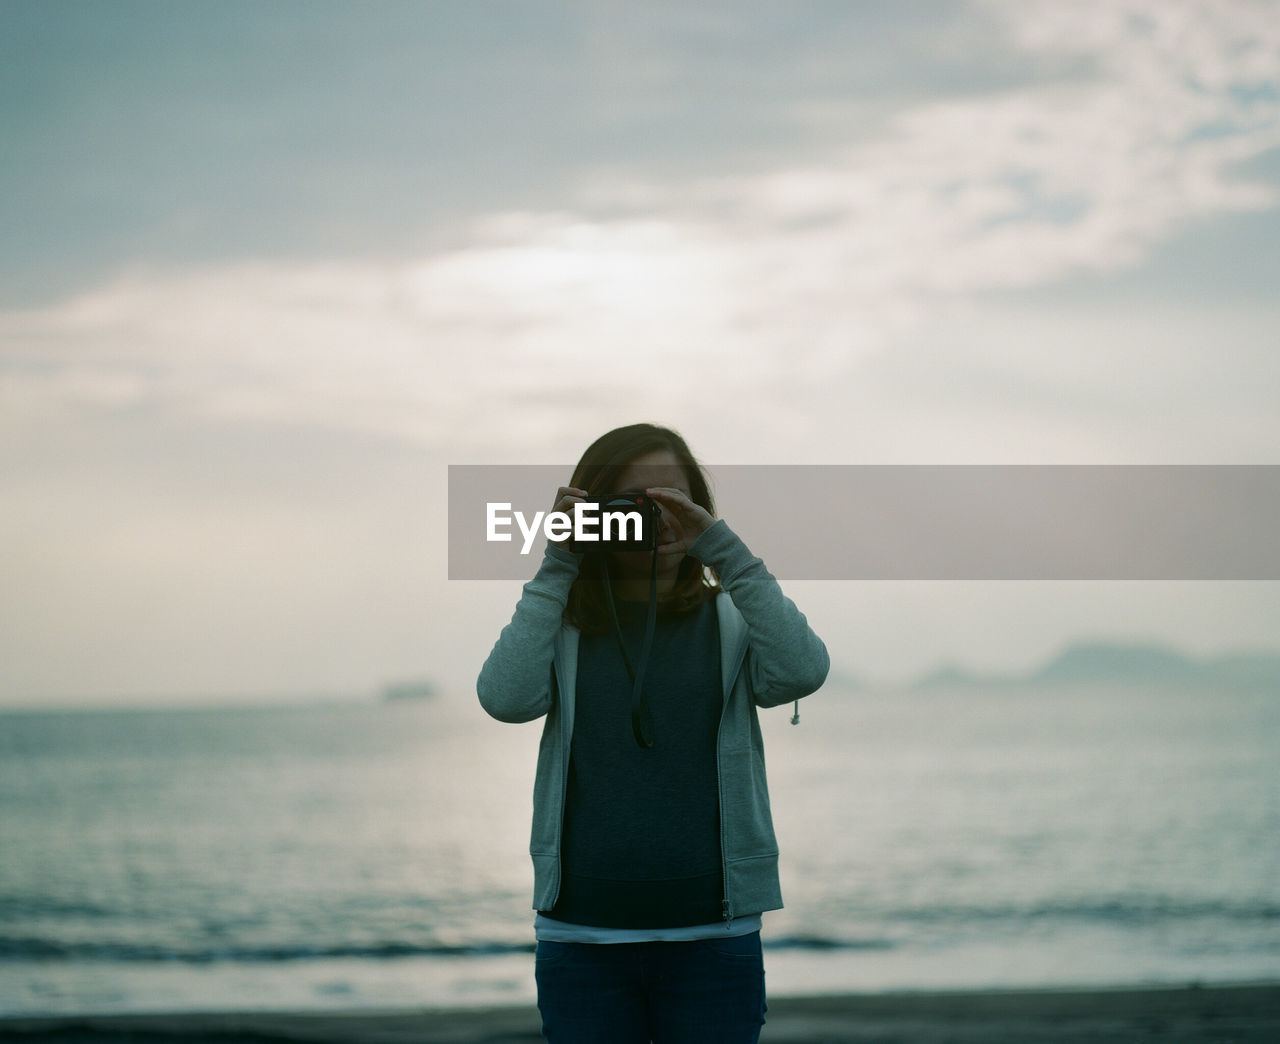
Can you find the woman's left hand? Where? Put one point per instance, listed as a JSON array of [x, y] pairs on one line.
[[683, 521]]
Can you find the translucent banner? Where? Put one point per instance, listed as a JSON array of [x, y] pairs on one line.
[[927, 522]]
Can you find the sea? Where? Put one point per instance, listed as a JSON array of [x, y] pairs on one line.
[[361, 854]]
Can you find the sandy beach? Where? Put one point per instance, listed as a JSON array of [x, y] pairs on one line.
[[1221, 1013]]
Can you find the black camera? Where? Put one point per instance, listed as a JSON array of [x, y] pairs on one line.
[[615, 522]]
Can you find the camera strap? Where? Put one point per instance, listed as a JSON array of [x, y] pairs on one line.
[[641, 719]]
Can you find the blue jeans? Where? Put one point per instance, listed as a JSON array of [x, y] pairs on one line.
[[666, 992]]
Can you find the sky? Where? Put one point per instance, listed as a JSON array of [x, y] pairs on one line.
[[266, 270]]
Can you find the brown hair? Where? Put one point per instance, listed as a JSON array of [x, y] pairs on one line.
[[597, 471]]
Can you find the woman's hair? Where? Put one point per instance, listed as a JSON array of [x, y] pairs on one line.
[[597, 471]]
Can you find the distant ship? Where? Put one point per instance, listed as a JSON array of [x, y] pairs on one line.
[[409, 690]]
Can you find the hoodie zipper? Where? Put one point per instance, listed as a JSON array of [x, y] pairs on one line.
[[566, 742], [726, 907]]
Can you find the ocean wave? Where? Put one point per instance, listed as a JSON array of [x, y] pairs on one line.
[[880, 930], [824, 942], [24, 906], [1128, 910], [17, 948]]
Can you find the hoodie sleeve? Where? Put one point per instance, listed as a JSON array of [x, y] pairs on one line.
[[515, 681], [785, 659]]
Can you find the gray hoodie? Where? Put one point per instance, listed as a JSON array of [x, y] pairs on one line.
[[768, 657]]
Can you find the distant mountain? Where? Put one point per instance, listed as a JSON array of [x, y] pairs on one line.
[[1107, 662], [1093, 663], [1255, 670], [841, 678], [951, 676], [408, 690]]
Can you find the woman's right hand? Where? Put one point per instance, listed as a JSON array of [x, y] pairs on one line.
[[566, 497]]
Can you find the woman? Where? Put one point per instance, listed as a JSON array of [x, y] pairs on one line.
[[653, 848]]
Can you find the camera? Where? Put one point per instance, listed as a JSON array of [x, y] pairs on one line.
[[616, 522]]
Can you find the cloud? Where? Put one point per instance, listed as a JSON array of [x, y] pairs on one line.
[[226, 472], [725, 286]]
